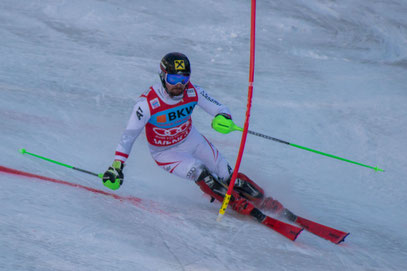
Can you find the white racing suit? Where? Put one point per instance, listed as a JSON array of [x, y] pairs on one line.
[[180, 149], [174, 143]]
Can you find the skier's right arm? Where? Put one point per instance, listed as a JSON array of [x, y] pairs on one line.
[[138, 119], [113, 177]]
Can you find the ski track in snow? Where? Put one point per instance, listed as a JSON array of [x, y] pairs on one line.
[[329, 76]]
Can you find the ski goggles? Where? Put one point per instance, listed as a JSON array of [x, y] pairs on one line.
[[174, 79]]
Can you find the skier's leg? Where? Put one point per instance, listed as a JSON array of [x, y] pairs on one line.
[[211, 157], [216, 189], [181, 164], [218, 165], [210, 185], [247, 188], [188, 158], [198, 160], [259, 200], [186, 166]]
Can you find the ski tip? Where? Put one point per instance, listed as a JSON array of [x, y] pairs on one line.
[[343, 238], [22, 150]]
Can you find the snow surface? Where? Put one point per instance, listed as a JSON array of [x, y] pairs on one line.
[[330, 75]]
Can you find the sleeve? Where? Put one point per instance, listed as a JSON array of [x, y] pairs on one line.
[[209, 104], [138, 119]]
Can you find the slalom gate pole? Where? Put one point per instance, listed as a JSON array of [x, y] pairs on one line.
[[237, 128], [100, 175], [249, 104]]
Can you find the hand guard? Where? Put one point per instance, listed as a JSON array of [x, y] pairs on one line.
[[113, 177], [223, 123]]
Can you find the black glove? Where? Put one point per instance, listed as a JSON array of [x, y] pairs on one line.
[[113, 177]]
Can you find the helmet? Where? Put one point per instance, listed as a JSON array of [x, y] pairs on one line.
[[174, 63]]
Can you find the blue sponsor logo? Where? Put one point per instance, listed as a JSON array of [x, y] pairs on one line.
[[173, 117]]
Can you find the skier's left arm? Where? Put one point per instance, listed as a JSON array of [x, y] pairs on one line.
[[222, 121], [210, 104]]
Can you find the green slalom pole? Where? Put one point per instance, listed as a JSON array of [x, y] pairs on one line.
[[237, 128], [23, 151]]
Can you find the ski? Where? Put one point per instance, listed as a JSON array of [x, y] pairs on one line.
[[285, 229], [328, 233]]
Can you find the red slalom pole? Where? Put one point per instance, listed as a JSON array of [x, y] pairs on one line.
[[249, 105]]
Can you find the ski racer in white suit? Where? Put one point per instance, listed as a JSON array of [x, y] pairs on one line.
[[174, 142], [164, 110]]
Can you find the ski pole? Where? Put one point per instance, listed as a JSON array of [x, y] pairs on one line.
[[228, 195], [237, 128], [23, 151]]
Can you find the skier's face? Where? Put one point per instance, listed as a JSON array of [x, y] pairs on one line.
[[175, 90]]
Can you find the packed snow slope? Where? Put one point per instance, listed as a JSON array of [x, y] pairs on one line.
[[330, 75]]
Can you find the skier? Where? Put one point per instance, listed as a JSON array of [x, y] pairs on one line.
[[164, 110]]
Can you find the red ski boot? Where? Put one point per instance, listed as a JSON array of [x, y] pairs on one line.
[[247, 188], [242, 206]]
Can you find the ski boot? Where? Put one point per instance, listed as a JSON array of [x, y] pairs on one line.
[[217, 189], [247, 188]]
